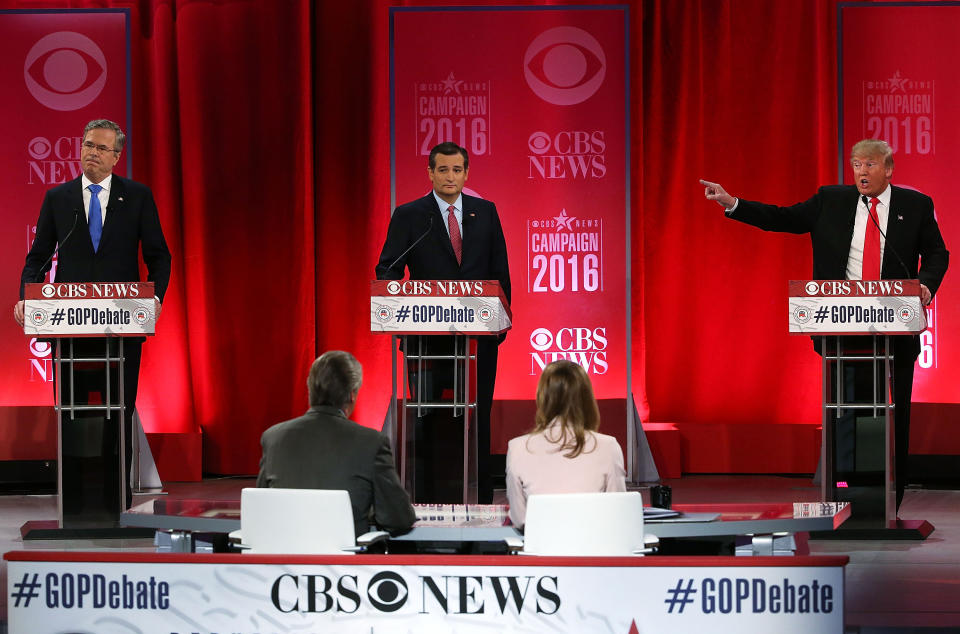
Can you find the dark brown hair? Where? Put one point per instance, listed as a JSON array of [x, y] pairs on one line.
[[565, 392]]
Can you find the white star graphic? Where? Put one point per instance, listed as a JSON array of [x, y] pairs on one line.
[[564, 221], [451, 85], [898, 82]]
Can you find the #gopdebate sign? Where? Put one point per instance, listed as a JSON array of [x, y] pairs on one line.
[[249, 594], [89, 309], [837, 307], [438, 307]]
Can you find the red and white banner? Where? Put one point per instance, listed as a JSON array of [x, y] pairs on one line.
[[60, 70], [438, 307], [905, 92], [89, 309], [537, 96], [835, 307], [395, 593]]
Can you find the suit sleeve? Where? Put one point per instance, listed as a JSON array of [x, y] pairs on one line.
[[499, 267], [398, 239], [392, 510], [263, 477], [156, 255], [43, 245], [934, 256], [799, 218]]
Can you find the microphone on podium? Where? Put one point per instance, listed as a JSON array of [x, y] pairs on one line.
[[415, 243], [40, 274]]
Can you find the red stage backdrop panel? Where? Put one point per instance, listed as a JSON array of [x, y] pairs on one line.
[[537, 95], [906, 93], [59, 71]]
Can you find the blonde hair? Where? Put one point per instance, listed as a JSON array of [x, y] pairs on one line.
[[565, 393], [871, 148]]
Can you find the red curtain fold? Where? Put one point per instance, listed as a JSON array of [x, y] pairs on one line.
[[263, 129], [744, 94]]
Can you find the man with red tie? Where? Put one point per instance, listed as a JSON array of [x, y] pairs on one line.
[[448, 235], [849, 244]]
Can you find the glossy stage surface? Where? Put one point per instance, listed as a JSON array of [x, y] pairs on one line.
[[891, 586]]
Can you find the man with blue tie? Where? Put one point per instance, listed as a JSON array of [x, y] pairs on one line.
[[101, 222]]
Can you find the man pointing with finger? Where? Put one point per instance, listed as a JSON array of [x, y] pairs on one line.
[[869, 230]]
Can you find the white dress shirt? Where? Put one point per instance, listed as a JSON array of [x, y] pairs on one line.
[[104, 196], [855, 259], [457, 212]]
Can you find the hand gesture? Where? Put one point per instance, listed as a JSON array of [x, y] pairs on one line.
[[716, 192]]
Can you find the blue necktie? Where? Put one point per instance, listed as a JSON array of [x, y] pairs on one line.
[[94, 218]]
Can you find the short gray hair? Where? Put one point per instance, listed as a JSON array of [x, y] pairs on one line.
[[333, 379], [106, 124], [873, 148]]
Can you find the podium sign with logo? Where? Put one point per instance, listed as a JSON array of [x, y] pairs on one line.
[[852, 322], [841, 307], [439, 307], [89, 309], [408, 309], [89, 322]]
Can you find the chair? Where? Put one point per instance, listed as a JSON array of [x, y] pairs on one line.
[[299, 522], [585, 525]]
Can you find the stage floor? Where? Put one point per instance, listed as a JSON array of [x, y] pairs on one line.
[[891, 586]]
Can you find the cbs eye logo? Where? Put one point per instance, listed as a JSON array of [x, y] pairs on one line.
[[387, 591], [65, 71], [564, 65]]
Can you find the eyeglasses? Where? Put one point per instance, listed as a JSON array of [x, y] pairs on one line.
[[99, 148]]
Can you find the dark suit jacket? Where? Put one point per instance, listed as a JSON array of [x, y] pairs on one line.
[[484, 254], [324, 450], [912, 233], [131, 223]]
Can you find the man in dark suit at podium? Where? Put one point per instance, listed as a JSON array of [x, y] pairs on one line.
[[448, 235], [869, 230], [101, 222]]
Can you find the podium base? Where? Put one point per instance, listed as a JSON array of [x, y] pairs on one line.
[[50, 529], [902, 530]]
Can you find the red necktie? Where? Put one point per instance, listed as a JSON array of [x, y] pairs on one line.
[[455, 238], [871, 245]]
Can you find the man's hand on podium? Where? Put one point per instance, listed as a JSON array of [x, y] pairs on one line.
[[18, 312], [716, 192], [925, 296]]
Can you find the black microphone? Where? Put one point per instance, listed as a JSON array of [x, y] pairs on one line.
[[76, 216], [885, 241], [415, 243]]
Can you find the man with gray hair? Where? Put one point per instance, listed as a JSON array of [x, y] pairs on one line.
[[100, 222], [850, 228], [324, 449]]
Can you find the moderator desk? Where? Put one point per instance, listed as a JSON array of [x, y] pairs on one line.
[[710, 525]]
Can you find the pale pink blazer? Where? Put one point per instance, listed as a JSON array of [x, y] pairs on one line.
[[536, 464]]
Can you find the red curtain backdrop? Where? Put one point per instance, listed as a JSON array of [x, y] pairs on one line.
[[263, 128], [742, 93]]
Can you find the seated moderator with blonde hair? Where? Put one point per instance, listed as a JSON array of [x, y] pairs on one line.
[[564, 453]]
